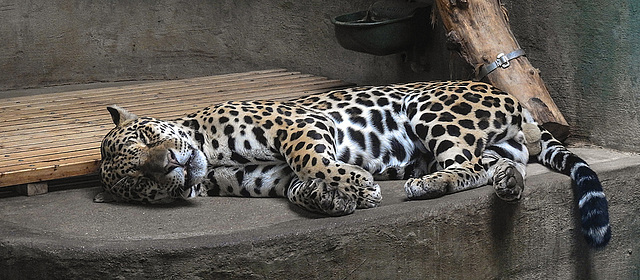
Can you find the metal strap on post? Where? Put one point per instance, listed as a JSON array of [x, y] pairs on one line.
[[502, 60]]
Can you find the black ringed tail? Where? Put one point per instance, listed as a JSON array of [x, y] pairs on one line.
[[590, 198]]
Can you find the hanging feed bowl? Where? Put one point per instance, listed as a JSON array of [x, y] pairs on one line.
[[358, 32]]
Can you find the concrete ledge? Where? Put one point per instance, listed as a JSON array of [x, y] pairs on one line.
[[469, 235]]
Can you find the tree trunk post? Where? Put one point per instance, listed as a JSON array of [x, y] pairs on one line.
[[479, 30]]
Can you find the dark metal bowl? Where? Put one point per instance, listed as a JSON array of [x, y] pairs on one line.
[[354, 32]]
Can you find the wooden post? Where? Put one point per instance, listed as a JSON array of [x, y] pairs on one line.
[[479, 30]]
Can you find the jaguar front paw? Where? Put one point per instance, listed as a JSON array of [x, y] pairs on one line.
[[369, 196], [318, 196]]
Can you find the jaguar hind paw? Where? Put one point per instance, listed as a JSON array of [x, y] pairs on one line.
[[508, 184], [430, 186]]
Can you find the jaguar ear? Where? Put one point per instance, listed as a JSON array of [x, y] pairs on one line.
[[120, 116]]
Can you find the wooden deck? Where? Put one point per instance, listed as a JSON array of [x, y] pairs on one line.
[[53, 136]]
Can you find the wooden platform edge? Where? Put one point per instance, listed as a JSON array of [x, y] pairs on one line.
[[53, 172]]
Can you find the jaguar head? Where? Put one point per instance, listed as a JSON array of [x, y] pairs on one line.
[[149, 160]]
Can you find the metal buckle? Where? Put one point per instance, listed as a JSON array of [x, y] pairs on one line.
[[502, 60]]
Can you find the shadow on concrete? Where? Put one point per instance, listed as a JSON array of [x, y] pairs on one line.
[[502, 222], [581, 251]]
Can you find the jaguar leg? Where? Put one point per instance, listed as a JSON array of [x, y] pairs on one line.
[[324, 185], [460, 169], [449, 180], [259, 180]]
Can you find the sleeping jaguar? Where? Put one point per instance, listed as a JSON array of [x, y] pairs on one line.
[[324, 152]]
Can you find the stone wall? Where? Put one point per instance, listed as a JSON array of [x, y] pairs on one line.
[[63, 41], [589, 55], [588, 51]]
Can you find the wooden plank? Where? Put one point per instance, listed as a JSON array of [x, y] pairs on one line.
[[27, 111], [180, 103], [80, 97], [65, 168], [47, 154], [221, 90], [100, 117], [53, 136], [24, 100]]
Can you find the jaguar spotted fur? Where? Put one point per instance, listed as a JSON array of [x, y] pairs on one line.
[[324, 152]]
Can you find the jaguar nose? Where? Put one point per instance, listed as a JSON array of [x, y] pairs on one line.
[[172, 162]]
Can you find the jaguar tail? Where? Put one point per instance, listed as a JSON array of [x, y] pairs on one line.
[[592, 203]]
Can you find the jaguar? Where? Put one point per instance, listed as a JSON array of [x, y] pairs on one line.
[[324, 152]]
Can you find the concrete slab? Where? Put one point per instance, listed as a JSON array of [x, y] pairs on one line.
[[469, 235]]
